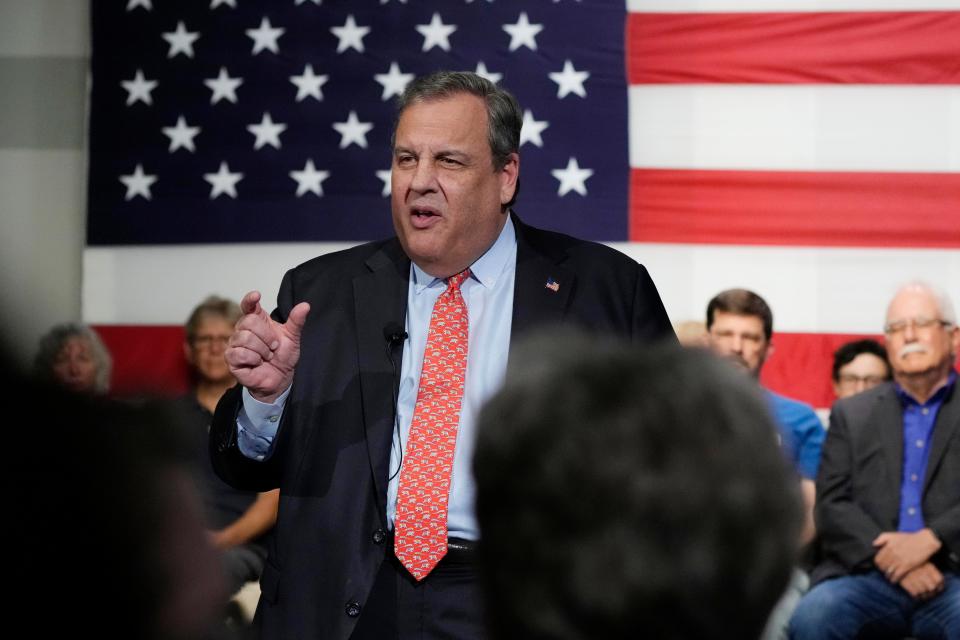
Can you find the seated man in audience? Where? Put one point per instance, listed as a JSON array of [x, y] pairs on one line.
[[888, 492], [859, 365], [626, 493], [73, 356], [238, 519], [740, 327]]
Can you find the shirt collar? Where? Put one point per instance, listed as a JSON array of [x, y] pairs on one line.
[[936, 398], [485, 270]]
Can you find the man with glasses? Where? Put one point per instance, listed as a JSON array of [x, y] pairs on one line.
[[888, 490], [857, 366]]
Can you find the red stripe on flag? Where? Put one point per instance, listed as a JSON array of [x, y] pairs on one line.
[[795, 208], [149, 359], [790, 48], [146, 359], [801, 365]]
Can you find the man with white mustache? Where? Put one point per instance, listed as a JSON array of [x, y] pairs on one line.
[[888, 490]]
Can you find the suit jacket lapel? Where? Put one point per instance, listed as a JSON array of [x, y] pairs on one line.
[[535, 304], [948, 421], [889, 422], [380, 299]]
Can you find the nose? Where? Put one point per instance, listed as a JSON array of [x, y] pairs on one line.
[[860, 385], [736, 344], [424, 179], [910, 331]]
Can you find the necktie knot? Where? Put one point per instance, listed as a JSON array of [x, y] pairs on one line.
[[454, 281]]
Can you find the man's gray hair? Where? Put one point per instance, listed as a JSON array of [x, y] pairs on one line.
[[944, 304], [504, 118], [54, 340]]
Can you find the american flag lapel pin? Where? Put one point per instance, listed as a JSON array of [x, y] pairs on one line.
[[553, 285]]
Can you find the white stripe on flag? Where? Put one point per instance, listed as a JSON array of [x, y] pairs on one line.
[[795, 127], [810, 289]]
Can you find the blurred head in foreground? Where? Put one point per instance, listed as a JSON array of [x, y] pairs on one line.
[[73, 356], [108, 514], [625, 492]]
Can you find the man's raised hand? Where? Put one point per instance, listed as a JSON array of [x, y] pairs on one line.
[[262, 352]]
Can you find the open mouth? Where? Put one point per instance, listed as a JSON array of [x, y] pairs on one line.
[[423, 217]]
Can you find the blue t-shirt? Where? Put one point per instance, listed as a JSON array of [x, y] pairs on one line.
[[801, 432]]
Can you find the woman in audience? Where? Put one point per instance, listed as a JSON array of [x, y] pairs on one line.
[[73, 356]]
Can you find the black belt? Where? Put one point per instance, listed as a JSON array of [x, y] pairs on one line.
[[458, 549]]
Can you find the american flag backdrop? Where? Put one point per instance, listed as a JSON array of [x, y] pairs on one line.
[[807, 150]]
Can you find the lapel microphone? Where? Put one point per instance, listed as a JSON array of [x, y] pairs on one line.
[[394, 334]]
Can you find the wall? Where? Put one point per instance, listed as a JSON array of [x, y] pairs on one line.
[[44, 54]]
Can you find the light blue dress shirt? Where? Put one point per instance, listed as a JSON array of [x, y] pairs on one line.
[[488, 294]]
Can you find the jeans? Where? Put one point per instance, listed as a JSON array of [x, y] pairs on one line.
[[868, 606]]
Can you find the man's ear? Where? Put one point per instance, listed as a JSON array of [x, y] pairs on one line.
[[508, 178], [188, 353]]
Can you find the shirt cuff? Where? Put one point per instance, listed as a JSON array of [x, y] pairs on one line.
[[257, 425]]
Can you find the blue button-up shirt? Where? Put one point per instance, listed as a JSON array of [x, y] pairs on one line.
[[918, 421]]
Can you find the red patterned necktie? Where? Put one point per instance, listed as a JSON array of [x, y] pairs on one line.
[[420, 525]]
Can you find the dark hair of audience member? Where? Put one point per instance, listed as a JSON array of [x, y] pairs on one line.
[[741, 302], [112, 541], [625, 494], [846, 353]]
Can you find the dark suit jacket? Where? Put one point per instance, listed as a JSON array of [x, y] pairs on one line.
[[333, 447], [858, 486]]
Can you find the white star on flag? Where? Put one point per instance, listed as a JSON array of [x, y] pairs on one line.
[[402, 1], [385, 176], [132, 4], [309, 179], [393, 81], [138, 183], [570, 80], [572, 178], [267, 132], [489, 75], [265, 37], [353, 131], [522, 33], [223, 181], [223, 86], [350, 35], [139, 88], [316, 2], [216, 3], [181, 40], [436, 34], [309, 84], [181, 135], [531, 129]]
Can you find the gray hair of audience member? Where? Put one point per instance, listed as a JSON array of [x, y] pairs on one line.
[[211, 307], [54, 341], [504, 117], [623, 491], [944, 303]]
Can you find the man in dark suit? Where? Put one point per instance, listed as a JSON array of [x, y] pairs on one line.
[[888, 491], [375, 350]]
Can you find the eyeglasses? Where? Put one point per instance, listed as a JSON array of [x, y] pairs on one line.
[[852, 378], [206, 342], [899, 326]]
